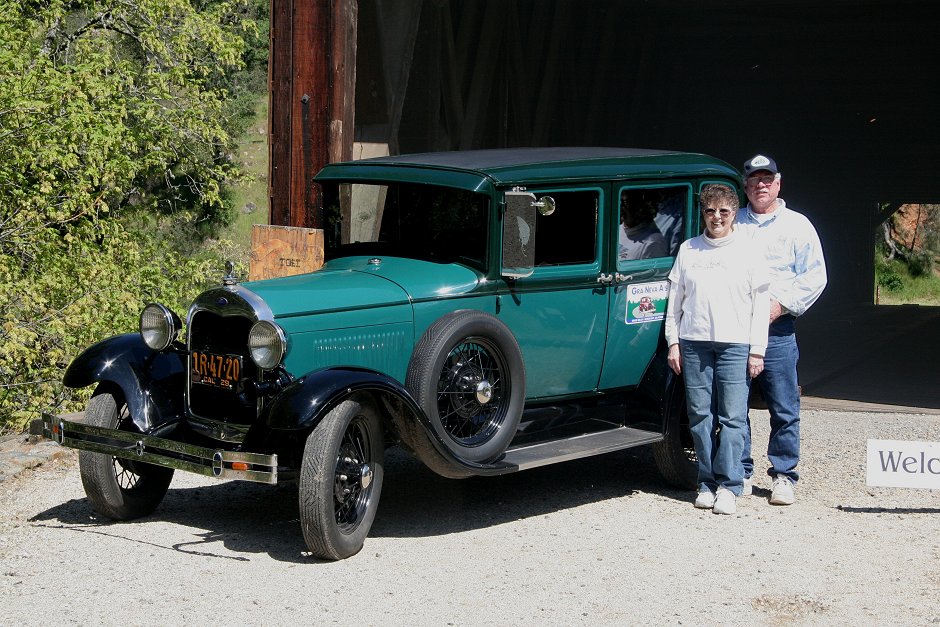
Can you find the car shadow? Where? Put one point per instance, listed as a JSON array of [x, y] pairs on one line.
[[252, 518]]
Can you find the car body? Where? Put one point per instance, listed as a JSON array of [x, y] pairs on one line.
[[487, 310]]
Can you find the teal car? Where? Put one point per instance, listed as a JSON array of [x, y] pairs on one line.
[[487, 311]]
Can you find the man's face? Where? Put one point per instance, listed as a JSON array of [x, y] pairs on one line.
[[762, 189]]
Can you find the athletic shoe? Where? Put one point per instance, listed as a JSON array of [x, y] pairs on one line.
[[748, 488], [782, 491], [705, 499], [724, 502]]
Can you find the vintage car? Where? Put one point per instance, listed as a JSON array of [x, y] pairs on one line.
[[488, 311]]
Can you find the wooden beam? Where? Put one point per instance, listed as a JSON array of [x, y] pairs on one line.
[[312, 78], [279, 117], [343, 67], [310, 108]]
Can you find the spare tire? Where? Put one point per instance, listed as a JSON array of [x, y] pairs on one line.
[[468, 375]]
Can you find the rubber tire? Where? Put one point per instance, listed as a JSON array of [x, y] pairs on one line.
[[427, 362], [324, 536], [99, 471], [675, 454]]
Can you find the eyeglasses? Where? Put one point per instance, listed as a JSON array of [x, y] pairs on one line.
[[723, 212], [766, 179]]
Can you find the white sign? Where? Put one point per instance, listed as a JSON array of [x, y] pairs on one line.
[[902, 464], [646, 302]]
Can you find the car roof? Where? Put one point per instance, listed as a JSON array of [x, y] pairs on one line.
[[509, 166]]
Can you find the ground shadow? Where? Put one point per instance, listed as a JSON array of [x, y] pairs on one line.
[[888, 510], [251, 518]]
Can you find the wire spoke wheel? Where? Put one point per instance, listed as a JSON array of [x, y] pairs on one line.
[[353, 477], [341, 479], [120, 489], [468, 376], [471, 391]]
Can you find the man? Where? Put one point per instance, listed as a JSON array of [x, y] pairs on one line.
[[797, 278]]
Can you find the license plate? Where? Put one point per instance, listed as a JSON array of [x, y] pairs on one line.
[[221, 371]]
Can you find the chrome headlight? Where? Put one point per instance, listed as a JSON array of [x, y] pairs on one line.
[[158, 326], [267, 344]]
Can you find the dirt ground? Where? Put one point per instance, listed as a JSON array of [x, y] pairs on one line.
[[595, 541]]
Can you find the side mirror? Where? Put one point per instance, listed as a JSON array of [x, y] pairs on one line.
[[519, 235], [546, 205]]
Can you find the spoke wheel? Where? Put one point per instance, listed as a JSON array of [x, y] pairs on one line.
[[471, 392], [118, 488], [468, 376], [341, 480], [675, 455]]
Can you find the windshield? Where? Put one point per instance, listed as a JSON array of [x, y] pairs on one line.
[[405, 220]]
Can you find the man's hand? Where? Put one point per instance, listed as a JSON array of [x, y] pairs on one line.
[[755, 365], [776, 310], [674, 359]]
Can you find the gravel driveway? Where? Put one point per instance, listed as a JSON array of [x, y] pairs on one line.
[[595, 541]]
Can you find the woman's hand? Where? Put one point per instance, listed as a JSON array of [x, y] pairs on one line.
[[755, 365], [674, 359]]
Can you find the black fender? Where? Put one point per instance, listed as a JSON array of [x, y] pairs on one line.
[[304, 403], [152, 383], [651, 402]]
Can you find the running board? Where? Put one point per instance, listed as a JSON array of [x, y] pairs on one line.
[[536, 455]]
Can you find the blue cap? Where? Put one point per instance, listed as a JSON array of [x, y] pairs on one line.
[[760, 162]]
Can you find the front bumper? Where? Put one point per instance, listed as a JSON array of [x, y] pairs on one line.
[[158, 451]]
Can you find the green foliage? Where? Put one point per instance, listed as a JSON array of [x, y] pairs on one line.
[[899, 285], [116, 127]]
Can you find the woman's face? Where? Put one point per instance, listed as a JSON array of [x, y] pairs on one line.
[[718, 220]]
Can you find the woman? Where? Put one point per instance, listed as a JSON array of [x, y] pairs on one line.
[[716, 329]]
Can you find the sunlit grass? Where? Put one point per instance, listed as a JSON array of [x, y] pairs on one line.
[[894, 284], [251, 197]]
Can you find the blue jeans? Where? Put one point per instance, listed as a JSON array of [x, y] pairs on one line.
[[716, 390], [778, 385]]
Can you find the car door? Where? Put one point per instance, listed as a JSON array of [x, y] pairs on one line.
[[650, 223], [558, 313]]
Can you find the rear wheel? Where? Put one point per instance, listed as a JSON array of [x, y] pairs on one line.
[[341, 480], [120, 489], [675, 455]]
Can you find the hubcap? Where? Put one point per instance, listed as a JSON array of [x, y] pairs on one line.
[[484, 392]]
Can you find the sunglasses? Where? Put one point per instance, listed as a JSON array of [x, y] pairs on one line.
[[766, 179], [723, 212]]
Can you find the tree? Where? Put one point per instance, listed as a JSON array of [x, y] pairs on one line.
[[106, 108]]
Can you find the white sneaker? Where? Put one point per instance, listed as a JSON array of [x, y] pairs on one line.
[[705, 499], [725, 502], [748, 488], [782, 491]]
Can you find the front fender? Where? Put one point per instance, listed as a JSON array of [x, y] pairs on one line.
[[152, 383], [303, 403]]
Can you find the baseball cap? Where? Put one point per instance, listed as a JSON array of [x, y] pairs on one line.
[[760, 162]]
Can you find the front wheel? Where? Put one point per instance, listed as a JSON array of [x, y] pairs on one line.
[[120, 489], [341, 480]]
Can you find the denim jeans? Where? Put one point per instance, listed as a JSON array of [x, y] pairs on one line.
[[716, 389], [778, 385]]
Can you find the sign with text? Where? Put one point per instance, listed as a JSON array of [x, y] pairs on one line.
[[646, 302], [903, 464]]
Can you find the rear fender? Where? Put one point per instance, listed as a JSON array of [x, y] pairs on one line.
[[153, 384], [651, 402]]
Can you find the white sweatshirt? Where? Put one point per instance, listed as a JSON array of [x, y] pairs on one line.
[[719, 292]]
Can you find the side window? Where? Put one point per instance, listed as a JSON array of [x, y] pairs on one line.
[[569, 234], [651, 222]]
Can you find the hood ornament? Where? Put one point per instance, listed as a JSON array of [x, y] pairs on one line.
[[229, 278]]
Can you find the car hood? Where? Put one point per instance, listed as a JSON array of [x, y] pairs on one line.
[[355, 283]]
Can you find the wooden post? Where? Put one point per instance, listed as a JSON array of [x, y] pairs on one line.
[[312, 101]]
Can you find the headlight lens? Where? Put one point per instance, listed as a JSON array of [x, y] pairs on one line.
[[158, 326], [267, 344]]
